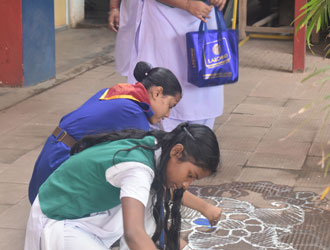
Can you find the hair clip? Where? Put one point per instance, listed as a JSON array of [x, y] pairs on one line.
[[188, 133]]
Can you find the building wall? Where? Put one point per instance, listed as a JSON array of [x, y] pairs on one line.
[[38, 41], [27, 40], [76, 12], [11, 69], [69, 12], [60, 12]]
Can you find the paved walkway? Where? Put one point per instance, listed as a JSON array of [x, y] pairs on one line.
[[258, 167]]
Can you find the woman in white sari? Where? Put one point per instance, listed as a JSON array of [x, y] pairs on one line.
[[155, 31]]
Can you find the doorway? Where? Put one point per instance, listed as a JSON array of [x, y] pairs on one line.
[[96, 13]]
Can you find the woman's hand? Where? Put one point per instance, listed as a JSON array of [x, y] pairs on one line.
[[113, 19], [212, 213], [218, 3], [198, 9]]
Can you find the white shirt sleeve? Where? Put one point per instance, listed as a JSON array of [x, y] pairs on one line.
[[133, 178]]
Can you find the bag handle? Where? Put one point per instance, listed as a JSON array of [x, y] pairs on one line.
[[221, 24]]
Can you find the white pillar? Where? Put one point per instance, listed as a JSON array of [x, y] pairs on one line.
[[76, 12]]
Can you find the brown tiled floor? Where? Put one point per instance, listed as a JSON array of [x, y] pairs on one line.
[[258, 113]]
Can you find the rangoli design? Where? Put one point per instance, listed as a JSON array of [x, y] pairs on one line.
[[278, 218]]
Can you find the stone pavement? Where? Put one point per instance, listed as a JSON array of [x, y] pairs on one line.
[[257, 166]]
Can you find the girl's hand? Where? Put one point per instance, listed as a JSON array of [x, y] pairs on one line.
[[212, 213], [218, 3], [113, 19], [198, 9]]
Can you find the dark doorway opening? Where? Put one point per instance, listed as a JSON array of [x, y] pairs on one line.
[[96, 13]]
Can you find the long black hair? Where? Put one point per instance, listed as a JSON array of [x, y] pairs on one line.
[[158, 76], [200, 148]]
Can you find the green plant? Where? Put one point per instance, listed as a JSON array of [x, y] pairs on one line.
[[315, 15], [319, 106], [324, 108]]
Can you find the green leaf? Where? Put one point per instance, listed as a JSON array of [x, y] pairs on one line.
[[314, 19], [325, 81], [306, 17], [313, 9], [327, 53], [309, 3], [326, 169], [326, 157], [324, 69], [318, 25]]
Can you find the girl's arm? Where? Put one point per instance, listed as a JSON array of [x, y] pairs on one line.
[[134, 232], [211, 212]]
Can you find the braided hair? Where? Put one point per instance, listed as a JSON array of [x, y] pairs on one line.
[[200, 148]]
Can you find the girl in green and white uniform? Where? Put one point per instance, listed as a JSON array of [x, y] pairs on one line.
[[130, 183]]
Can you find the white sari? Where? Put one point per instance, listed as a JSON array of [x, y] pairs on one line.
[[153, 32]]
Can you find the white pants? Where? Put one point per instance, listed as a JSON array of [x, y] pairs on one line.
[[77, 238], [169, 124]]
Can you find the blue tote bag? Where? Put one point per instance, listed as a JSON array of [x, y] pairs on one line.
[[212, 54]]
